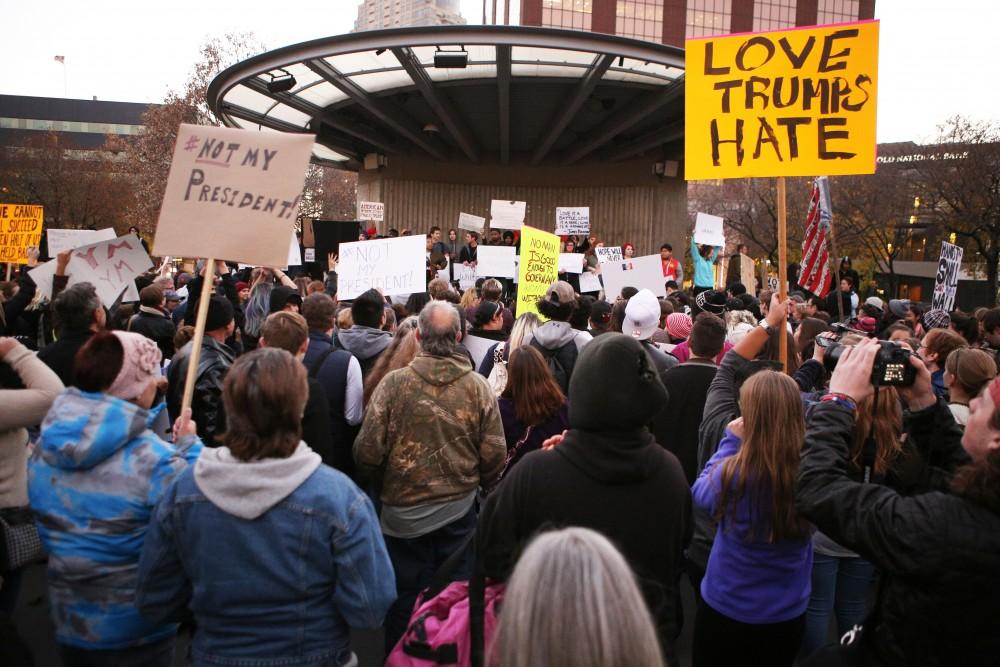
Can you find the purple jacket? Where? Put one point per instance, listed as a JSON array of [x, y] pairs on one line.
[[514, 430]]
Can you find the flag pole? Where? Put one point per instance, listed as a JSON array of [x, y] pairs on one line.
[[836, 270], [207, 287], [782, 271]]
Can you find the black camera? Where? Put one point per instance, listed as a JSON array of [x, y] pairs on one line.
[[891, 367]]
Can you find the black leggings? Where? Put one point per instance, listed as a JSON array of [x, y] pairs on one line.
[[721, 641]]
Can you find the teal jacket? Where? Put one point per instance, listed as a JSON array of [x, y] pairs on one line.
[[93, 481], [704, 269]]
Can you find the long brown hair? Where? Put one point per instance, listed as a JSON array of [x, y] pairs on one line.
[[888, 429], [772, 349], [530, 387], [399, 354], [767, 463]]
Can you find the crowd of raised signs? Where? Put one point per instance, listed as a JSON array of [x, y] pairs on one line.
[[499, 488]]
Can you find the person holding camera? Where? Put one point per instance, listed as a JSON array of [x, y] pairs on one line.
[[938, 547]]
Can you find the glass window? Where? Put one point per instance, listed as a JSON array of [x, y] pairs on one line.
[[574, 14], [640, 19], [773, 14], [837, 11], [708, 17]]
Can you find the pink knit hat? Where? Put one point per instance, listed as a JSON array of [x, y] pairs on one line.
[[140, 364], [679, 325]]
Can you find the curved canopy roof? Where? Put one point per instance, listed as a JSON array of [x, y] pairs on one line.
[[526, 95]]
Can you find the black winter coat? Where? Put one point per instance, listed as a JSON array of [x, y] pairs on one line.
[[206, 405], [625, 487], [157, 327], [939, 553]]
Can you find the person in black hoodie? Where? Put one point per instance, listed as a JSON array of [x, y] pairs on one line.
[[607, 474]]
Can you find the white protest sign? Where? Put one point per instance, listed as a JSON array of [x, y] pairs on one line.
[[232, 194], [496, 261], [572, 220], [294, 255], [946, 282], [638, 272], [394, 266], [605, 255], [371, 210], [590, 282], [507, 214], [478, 348], [110, 266], [310, 255], [465, 276], [570, 262], [708, 230], [472, 223], [61, 240]]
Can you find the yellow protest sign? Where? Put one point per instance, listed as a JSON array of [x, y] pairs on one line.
[[538, 269], [20, 228], [795, 102]]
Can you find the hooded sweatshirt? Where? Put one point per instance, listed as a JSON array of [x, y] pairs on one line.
[[93, 480], [365, 343], [436, 428], [248, 489], [552, 335]]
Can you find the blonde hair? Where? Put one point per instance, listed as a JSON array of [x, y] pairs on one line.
[[767, 464], [523, 325], [469, 298], [589, 613]]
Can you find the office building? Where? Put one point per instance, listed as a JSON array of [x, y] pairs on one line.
[[672, 21], [376, 14]]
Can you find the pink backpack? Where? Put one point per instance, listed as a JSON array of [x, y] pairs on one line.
[[440, 631]]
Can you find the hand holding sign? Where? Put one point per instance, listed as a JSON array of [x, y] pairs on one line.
[[709, 230]]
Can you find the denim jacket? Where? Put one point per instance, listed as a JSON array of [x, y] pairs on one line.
[[276, 558]]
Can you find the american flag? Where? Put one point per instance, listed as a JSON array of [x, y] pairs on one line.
[[815, 274]]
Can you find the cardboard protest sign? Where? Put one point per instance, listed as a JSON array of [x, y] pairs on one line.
[[496, 261], [709, 230], [946, 282], [61, 240], [371, 210], [110, 266], [20, 229], [538, 269], [507, 214], [394, 266], [605, 255], [638, 272], [590, 282], [232, 194], [796, 102], [572, 220], [570, 262], [472, 223]]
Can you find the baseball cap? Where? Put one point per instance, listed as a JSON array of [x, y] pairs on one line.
[[560, 292], [875, 302], [171, 295], [642, 315], [898, 307]]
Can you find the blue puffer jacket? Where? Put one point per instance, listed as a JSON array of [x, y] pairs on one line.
[[93, 481]]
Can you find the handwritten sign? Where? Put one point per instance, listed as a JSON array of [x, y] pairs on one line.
[[371, 210], [310, 255], [232, 194], [465, 276], [590, 282], [507, 214], [61, 240], [570, 262], [393, 266], [20, 229], [709, 230], [472, 223], [605, 255], [538, 270], [793, 102], [639, 272], [946, 282], [496, 261], [572, 220], [110, 266]]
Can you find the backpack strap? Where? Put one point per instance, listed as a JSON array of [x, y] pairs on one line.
[[318, 364]]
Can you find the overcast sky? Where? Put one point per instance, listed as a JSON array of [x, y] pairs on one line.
[[936, 57]]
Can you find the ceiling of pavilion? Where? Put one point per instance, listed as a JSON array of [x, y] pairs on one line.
[[527, 96]]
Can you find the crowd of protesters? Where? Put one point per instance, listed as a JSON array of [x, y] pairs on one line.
[[342, 462]]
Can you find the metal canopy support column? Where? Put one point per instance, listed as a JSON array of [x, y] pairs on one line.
[[657, 137], [625, 119], [393, 118], [503, 97], [583, 90], [438, 103], [318, 113]]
